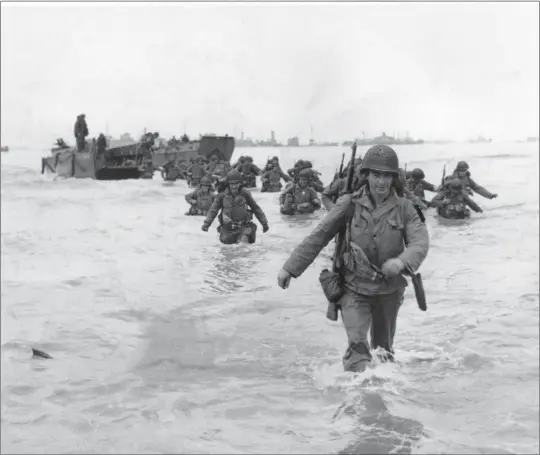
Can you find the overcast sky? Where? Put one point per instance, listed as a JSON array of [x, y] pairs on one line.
[[435, 70]]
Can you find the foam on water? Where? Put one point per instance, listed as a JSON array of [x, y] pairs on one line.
[[165, 341]]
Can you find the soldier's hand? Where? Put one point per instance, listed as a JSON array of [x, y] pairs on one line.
[[193, 202], [204, 228], [265, 227], [283, 279], [392, 267]]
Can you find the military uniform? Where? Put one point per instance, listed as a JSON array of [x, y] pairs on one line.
[[80, 130], [235, 217], [249, 172], [300, 197], [271, 179], [468, 182], [201, 201], [453, 202], [418, 186], [378, 235]]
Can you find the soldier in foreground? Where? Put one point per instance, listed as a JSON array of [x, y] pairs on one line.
[[233, 205], [384, 239], [201, 199]]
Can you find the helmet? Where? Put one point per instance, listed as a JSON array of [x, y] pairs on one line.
[[462, 166], [455, 185], [308, 164], [408, 175], [418, 174], [381, 158], [304, 174], [299, 163], [206, 181], [275, 158], [249, 159], [234, 177]]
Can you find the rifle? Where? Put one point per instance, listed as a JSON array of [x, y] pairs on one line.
[[416, 279], [332, 310], [341, 167], [443, 175]]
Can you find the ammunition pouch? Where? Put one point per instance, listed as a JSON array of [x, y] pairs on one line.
[[332, 285]]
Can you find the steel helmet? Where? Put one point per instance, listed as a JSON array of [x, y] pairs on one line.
[[304, 174], [381, 158], [455, 185], [462, 166], [418, 174], [308, 164], [206, 181], [234, 177]]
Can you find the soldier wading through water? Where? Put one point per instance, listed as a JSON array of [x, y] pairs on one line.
[[235, 217], [379, 224]]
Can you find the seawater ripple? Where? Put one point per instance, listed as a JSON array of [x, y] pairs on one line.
[[165, 341]]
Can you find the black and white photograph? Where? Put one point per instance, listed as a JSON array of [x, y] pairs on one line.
[[270, 227]]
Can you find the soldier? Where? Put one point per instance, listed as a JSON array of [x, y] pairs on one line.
[[271, 179], [453, 202], [249, 172], [315, 180], [235, 217], [170, 171], [201, 199], [418, 186], [300, 197], [462, 173], [333, 191], [80, 131], [195, 172], [385, 238]]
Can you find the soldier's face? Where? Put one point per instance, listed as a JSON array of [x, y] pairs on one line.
[[380, 182], [461, 173], [205, 188], [303, 182], [234, 186]]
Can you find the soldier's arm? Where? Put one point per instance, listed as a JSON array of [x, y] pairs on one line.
[[257, 211], [414, 199], [255, 169], [329, 193], [315, 199], [305, 253], [437, 200], [191, 196], [473, 205], [417, 237], [284, 176], [479, 189], [428, 186], [214, 210]]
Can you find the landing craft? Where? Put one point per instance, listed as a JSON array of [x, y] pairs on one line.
[[126, 161]]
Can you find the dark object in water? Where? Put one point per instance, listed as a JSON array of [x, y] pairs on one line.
[[37, 354]]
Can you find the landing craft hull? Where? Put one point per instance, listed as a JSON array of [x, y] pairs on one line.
[[126, 161], [121, 163], [223, 146]]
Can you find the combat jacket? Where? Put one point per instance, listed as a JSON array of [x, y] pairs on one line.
[[379, 231], [468, 182], [235, 207], [204, 200]]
